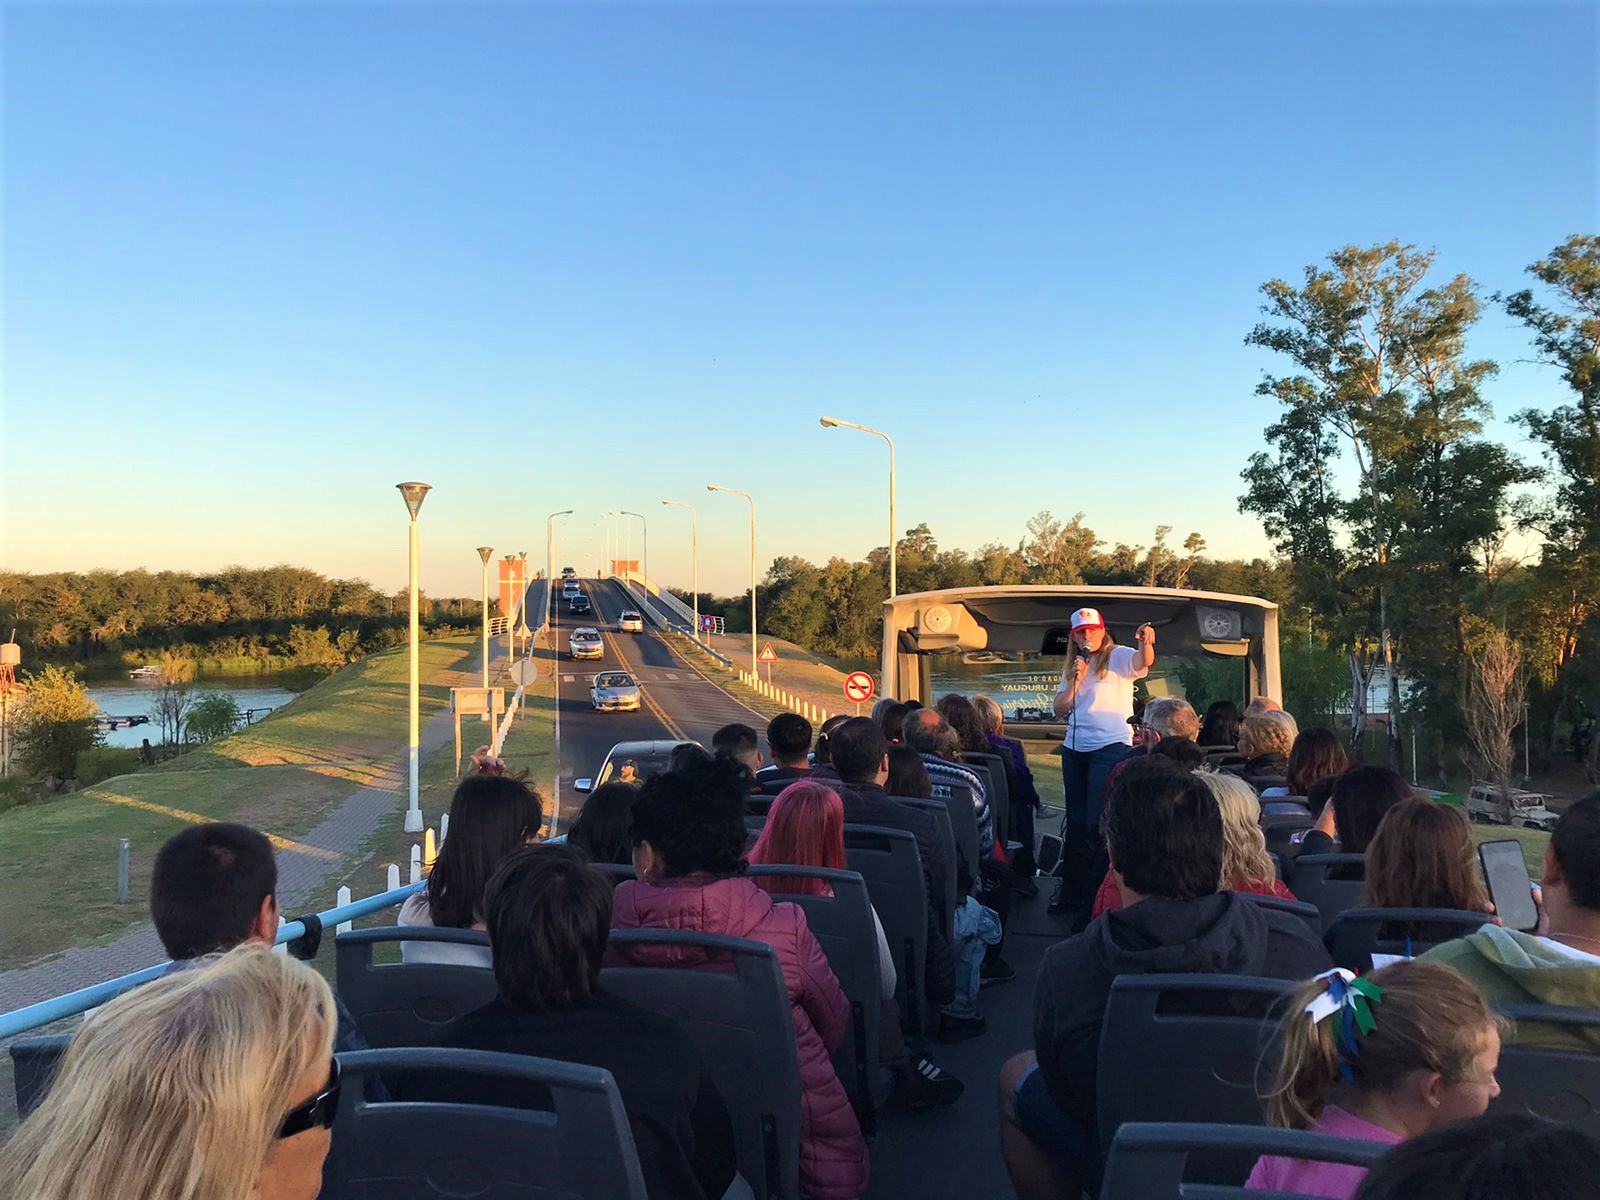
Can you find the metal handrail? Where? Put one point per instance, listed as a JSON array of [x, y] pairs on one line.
[[70, 1004]]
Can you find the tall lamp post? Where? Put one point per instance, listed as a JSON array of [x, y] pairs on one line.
[[644, 537], [712, 487], [550, 562], [834, 422], [485, 553], [694, 546], [414, 494], [522, 594], [511, 605]]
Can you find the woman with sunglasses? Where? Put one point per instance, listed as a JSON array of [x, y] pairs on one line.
[[216, 1083]]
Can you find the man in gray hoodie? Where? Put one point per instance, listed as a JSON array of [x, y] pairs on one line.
[[1560, 962], [1165, 838]]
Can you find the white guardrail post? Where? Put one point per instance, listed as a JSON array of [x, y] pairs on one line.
[[341, 899]]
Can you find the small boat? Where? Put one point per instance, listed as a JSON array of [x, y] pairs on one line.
[[145, 674]]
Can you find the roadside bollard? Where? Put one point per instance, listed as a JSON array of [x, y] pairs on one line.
[[394, 877], [122, 871], [430, 850], [340, 900], [444, 827], [416, 863]]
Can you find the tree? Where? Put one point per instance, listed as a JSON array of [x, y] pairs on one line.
[[214, 715], [175, 697], [1494, 688], [1057, 551], [54, 724], [313, 649]]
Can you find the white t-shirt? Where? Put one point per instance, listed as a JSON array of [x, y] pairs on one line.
[[1571, 952], [415, 911], [1099, 715]]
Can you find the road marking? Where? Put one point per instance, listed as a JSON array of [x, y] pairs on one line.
[[569, 679], [672, 677]]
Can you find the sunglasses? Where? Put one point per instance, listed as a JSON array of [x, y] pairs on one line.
[[317, 1112]]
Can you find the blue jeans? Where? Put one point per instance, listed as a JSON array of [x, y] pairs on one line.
[[1083, 774]]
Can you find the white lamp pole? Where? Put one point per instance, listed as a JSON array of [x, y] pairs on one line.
[[511, 604], [644, 537], [694, 546], [712, 487], [833, 422], [414, 494], [550, 561], [522, 591], [484, 553]]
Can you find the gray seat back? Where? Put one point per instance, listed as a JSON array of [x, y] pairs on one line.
[[1356, 934], [1313, 878], [996, 786], [736, 1011], [939, 813], [957, 797], [34, 1063], [1555, 1085], [887, 859], [407, 1004], [1298, 908], [579, 1147], [1150, 1161]]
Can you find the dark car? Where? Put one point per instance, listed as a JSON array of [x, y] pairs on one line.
[[580, 605]]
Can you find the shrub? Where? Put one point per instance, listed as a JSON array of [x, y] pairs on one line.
[[100, 763], [214, 715]]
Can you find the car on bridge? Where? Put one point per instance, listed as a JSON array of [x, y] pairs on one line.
[[579, 605], [569, 573], [632, 762], [586, 643], [614, 691], [630, 622], [570, 588]]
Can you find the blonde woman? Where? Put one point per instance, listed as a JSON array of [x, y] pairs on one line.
[[216, 1083], [1246, 865], [1265, 740]]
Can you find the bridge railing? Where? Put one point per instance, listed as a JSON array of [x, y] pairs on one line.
[[668, 610]]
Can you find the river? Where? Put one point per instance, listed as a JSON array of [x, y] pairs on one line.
[[128, 699]]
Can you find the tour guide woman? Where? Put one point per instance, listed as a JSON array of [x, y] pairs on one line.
[[1096, 698]]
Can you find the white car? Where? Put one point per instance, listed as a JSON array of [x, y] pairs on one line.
[[630, 622], [586, 643], [614, 691]]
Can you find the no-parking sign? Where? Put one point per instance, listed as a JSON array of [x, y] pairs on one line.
[[858, 687]]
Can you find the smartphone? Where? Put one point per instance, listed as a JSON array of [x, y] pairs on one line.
[[1506, 872], [1049, 856]]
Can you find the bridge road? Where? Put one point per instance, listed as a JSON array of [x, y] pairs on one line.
[[958, 1146]]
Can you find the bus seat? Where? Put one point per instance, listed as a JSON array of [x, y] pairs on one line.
[[1356, 934], [581, 1146], [1299, 908], [957, 797], [1555, 1085], [1150, 1161], [34, 1063], [741, 1023], [407, 1004], [940, 815], [993, 773], [842, 924], [888, 861], [1315, 878]]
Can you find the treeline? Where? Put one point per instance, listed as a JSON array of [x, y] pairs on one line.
[[234, 618]]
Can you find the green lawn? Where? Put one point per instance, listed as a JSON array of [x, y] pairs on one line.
[[59, 856]]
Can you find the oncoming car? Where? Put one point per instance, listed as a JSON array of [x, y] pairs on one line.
[[632, 762], [614, 691], [630, 622], [586, 643]]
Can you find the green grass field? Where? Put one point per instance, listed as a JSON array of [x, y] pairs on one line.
[[283, 775]]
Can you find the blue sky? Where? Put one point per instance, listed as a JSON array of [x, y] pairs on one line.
[[264, 261]]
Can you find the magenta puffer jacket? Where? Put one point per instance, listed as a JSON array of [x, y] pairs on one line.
[[833, 1154]]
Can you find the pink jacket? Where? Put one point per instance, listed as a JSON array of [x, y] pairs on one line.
[[833, 1154]]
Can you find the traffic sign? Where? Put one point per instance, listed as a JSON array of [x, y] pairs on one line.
[[708, 622], [768, 654], [525, 672], [858, 687]]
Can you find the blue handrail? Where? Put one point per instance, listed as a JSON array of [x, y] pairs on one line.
[[72, 1003]]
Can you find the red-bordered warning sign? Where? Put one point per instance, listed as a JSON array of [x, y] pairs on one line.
[[768, 654], [858, 687]]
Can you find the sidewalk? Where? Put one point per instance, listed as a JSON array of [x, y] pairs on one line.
[[302, 878]]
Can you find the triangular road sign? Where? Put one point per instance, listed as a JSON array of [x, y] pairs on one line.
[[768, 654]]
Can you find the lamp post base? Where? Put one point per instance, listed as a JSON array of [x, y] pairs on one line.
[[413, 820]]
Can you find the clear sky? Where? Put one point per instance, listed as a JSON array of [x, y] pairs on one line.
[[262, 262]]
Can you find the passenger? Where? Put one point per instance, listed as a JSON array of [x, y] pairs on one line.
[[806, 827], [213, 1082], [1361, 797], [214, 887], [1560, 963], [892, 720], [1317, 754], [1262, 705], [490, 816], [1167, 844], [1219, 732], [1492, 1157], [1166, 721], [601, 828], [821, 758], [1095, 697], [549, 916], [1423, 856], [789, 744], [1409, 1048], [738, 742], [973, 733], [689, 835], [1246, 865], [1265, 740], [687, 754], [861, 758], [1025, 802], [907, 775]]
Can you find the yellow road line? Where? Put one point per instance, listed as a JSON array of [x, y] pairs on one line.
[[649, 702], [195, 818]]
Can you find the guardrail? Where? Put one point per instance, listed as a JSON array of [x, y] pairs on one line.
[[33, 1016]]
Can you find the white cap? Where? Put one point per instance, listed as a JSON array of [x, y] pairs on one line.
[[1087, 618]]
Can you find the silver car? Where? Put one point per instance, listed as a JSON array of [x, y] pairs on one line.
[[630, 622], [586, 643], [614, 691]]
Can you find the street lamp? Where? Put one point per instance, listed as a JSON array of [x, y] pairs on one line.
[[511, 605], [644, 536], [834, 422], [484, 553], [694, 544], [550, 562], [712, 487], [522, 594], [414, 494]]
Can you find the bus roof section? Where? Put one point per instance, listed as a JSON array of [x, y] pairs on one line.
[[1035, 620]]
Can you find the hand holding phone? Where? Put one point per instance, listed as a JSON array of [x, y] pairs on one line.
[[1510, 888]]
